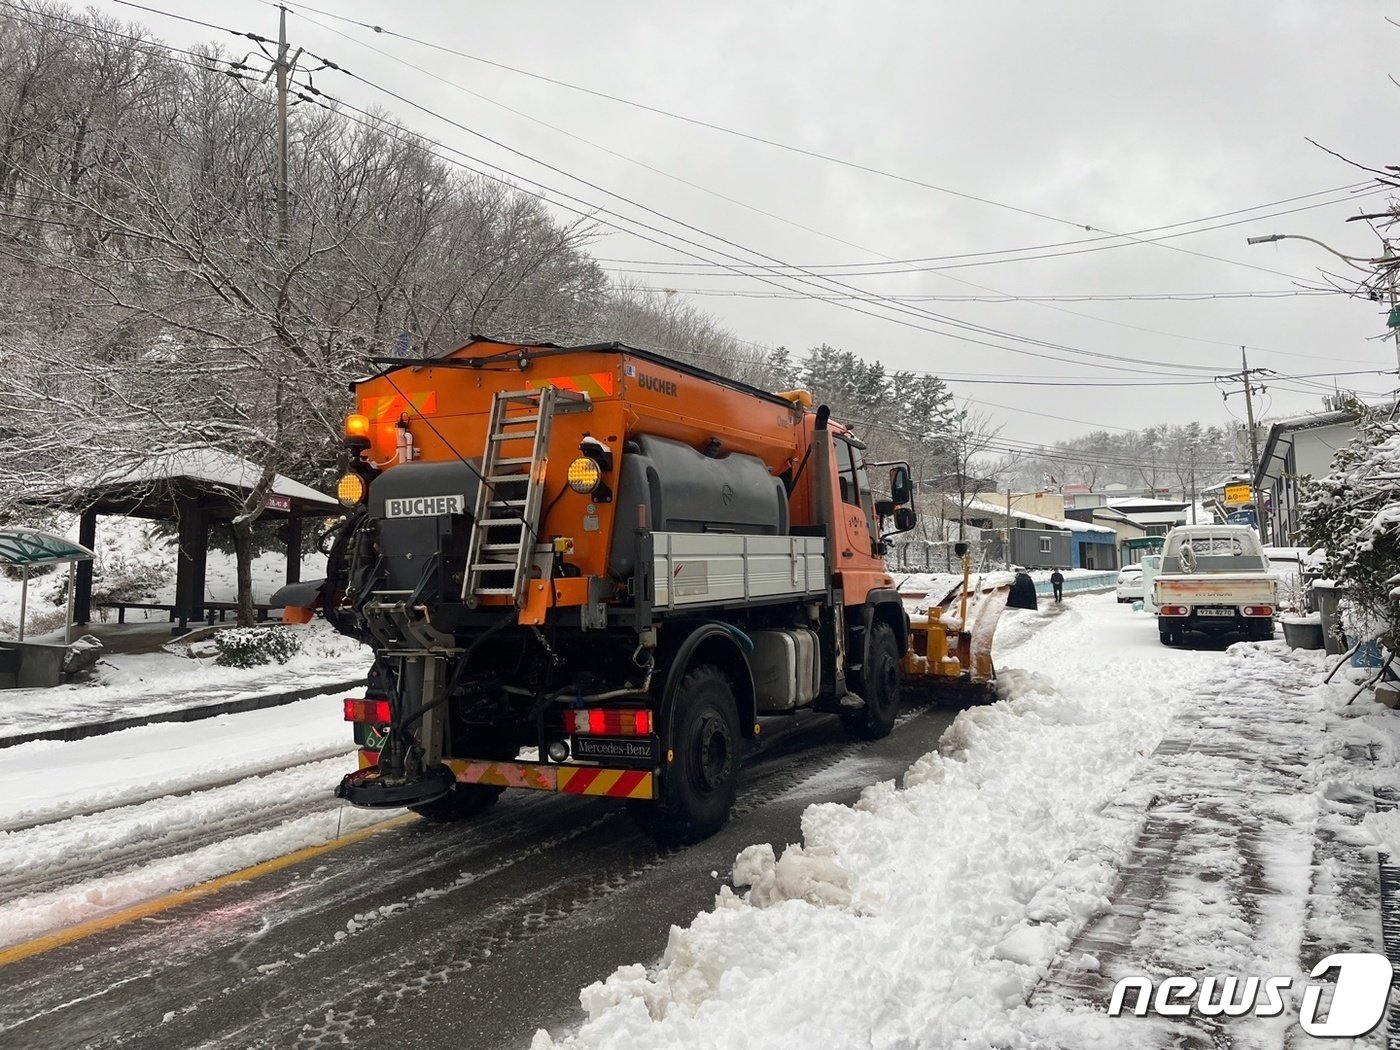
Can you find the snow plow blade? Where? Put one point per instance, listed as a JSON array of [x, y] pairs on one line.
[[950, 648]]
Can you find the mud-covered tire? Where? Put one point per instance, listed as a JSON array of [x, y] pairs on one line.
[[700, 784], [880, 685], [461, 803]]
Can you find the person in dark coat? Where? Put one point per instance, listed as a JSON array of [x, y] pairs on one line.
[[1057, 581]]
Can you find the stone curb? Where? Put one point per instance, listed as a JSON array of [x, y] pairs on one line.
[[181, 714]]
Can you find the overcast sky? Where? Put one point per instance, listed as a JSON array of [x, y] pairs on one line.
[[1118, 117]]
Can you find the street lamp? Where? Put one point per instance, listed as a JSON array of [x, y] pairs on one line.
[[1350, 260], [1370, 267]]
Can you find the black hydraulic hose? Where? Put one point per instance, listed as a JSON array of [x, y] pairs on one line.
[[410, 719], [800, 468], [335, 569]]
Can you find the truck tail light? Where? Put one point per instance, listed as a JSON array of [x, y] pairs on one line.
[[1258, 610], [1174, 610], [375, 712], [599, 721]]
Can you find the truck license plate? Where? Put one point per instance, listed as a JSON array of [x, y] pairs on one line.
[[630, 750], [1216, 612]]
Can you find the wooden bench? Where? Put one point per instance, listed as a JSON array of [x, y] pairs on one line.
[[122, 607], [262, 610]]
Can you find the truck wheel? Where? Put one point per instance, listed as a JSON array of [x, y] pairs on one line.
[[880, 688], [461, 803], [1165, 636], [700, 783]]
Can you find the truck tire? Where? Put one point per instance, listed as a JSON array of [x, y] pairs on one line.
[[461, 803], [702, 780], [880, 686]]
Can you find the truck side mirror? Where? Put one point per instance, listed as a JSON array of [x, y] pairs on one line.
[[901, 488], [904, 519], [884, 508]]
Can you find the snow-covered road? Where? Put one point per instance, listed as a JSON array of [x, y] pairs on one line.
[[926, 915], [94, 825], [955, 905]]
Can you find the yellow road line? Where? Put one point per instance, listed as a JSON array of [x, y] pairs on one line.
[[70, 934]]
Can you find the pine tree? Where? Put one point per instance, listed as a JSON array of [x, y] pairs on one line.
[[1353, 514]]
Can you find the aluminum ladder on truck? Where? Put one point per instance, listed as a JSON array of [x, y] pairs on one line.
[[506, 519]]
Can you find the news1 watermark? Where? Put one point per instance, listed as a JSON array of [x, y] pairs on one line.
[[1360, 991]]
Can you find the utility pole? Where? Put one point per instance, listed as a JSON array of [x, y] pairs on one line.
[[1387, 262], [283, 69], [1192, 462], [1008, 528], [1245, 376]]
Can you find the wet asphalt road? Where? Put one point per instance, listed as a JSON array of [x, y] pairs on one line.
[[467, 935]]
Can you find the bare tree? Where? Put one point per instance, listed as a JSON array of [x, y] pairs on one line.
[[151, 305]]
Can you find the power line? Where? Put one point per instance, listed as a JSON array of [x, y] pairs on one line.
[[150, 48], [195, 21], [669, 175], [773, 262], [1280, 293], [908, 266], [954, 322], [1107, 357], [774, 265], [753, 138]]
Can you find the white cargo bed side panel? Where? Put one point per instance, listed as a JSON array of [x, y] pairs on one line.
[[1215, 589], [710, 568]]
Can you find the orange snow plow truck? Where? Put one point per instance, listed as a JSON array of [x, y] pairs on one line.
[[595, 570]]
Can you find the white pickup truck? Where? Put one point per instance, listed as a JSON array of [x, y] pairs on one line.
[[1214, 579]]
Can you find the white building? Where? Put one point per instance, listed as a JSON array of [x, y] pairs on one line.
[[1157, 517], [1296, 448]]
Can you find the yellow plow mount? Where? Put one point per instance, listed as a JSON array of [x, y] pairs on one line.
[[950, 648]]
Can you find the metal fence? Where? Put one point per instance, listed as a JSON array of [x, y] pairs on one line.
[[1098, 581], [939, 556]]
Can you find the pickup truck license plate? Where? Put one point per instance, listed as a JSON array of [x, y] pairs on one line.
[[1216, 612]]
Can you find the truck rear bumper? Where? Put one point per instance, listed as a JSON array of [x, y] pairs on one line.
[[1212, 624], [539, 776]]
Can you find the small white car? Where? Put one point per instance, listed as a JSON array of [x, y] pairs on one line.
[[1130, 584]]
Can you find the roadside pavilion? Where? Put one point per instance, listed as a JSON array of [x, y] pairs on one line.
[[195, 488]]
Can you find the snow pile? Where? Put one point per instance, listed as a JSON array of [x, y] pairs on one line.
[[924, 916], [127, 685]]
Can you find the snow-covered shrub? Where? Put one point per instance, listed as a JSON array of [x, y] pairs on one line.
[[1353, 513], [255, 646], [16, 572]]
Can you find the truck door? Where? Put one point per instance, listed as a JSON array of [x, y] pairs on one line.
[[857, 556]]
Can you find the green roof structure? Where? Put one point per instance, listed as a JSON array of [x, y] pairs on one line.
[[19, 546], [29, 547]]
